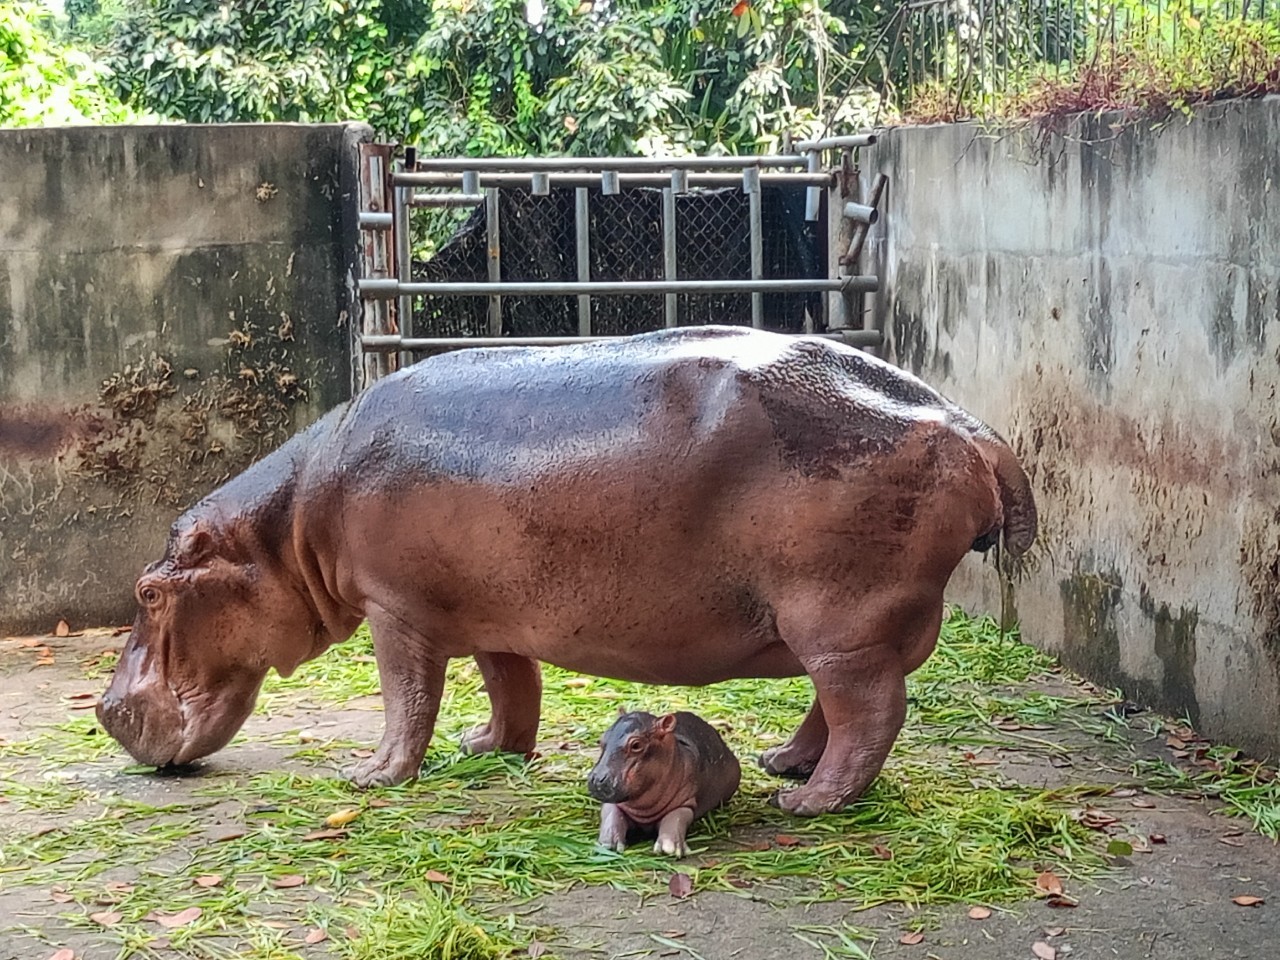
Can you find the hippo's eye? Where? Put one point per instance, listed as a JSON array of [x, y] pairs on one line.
[[149, 595], [635, 745]]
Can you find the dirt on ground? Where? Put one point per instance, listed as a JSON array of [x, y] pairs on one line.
[[1173, 896]]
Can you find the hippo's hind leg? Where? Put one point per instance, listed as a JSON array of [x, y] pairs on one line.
[[798, 756], [412, 679], [514, 685], [859, 671]]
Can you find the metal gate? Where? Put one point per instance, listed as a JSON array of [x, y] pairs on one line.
[[391, 189]]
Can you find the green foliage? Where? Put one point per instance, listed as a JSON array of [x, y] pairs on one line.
[[478, 77], [43, 82], [1133, 55]]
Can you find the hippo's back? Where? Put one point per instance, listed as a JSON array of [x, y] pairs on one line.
[[509, 412]]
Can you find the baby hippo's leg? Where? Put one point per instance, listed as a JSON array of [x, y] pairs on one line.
[[614, 827], [671, 833]]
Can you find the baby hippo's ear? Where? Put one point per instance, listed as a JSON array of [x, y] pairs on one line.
[[666, 724], [622, 710]]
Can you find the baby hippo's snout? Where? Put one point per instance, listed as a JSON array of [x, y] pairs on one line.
[[659, 774], [603, 786]]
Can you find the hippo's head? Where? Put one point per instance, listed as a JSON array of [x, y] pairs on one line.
[[213, 617], [636, 753]]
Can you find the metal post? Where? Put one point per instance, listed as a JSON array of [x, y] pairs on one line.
[[377, 261], [813, 196], [751, 184], [840, 309], [669, 250], [492, 238], [404, 266], [582, 232]]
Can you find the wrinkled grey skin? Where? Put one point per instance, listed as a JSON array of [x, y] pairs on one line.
[[659, 774], [680, 507]]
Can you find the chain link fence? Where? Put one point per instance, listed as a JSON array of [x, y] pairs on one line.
[[538, 243]]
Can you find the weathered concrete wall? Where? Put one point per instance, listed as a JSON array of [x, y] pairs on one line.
[[172, 305], [1110, 300]]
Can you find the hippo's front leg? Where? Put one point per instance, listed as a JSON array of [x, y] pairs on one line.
[[412, 679], [672, 830], [514, 686], [614, 827]]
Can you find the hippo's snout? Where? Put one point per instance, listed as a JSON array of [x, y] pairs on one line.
[[603, 786], [151, 730]]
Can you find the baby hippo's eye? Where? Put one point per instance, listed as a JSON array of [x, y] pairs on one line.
[[635, 745]]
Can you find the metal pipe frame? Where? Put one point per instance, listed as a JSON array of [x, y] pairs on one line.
[[670, 310], [582, 244], [493, 239], [443, 199], [587, 179], [387, 289], [391, 344], [836, 143], [404, 260], [619, 164]]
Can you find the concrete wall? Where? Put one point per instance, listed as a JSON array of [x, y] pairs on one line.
[[1109, 298], [172, 305]]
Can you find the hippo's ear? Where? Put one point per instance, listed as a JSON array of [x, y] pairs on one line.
[[666, 724], [622, 710], [192, 547]]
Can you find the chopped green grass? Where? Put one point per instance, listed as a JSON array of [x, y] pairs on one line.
[[934, 828]]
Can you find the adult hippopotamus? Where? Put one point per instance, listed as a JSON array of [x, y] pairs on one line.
[[680, 507]]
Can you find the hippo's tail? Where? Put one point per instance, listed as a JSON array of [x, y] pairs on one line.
[[1016, 499]]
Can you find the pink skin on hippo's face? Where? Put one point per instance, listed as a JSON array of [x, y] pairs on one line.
[[190, 673]]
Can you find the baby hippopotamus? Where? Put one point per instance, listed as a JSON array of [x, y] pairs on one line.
[[660, 773]]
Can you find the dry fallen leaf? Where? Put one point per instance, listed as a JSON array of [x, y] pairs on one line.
[[786, 840], [63, 629], [883, 852], [352, 933], [1044, 951], [292, 880], [1248, 901], [316, 936], [680, 885], [86, 695], [66, 953], [979, 913], [107, 917], [537, 949], [1052, 932], [341, 818], [1096, 819], [362, 753], [179, 919], [209, 880], [1142, 802], [1061, 900], [277, 924], [1049, 883], [325, 835], [578, 682], [1232, 841], [232, 834], [379, 802], [911, 939], [435, 876], [1157, 838], [120, 886], [58, 895]]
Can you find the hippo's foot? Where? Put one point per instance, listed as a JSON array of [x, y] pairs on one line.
[[672, 847], [485, 739], [614, 827], [808, 801], [787, 762], [383, 770]]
